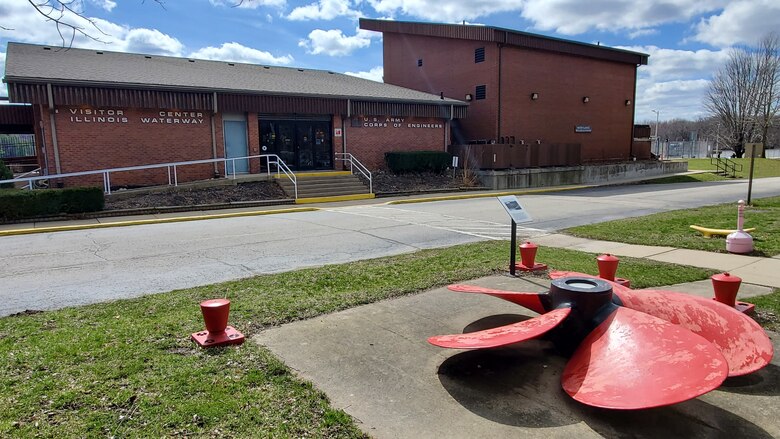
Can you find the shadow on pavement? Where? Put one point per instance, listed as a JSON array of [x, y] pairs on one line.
[[520, 386]]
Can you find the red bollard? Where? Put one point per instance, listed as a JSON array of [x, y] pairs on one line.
[[527, 258], [608, 265], [726, 287], [218, 333]]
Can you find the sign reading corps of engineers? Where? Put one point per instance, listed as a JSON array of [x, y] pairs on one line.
[[391, 122]]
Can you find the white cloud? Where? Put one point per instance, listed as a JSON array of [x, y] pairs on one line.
[[18, 17], [449, 11], [745, 21], [249, 4], [151, 41], [334, 43], [375, 74], [324, 10], [573, 17], [108, 5], [239, 53], [681, 99], [675, 82]]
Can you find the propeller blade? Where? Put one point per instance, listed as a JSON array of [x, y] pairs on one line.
[[740, 339], [531, 301], [633, 360], [503, 335]]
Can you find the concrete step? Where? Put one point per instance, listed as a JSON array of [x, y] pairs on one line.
[[329, 186]]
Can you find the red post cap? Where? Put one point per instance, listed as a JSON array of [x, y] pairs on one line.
[[726, 277], [607, 258], [528, 244], [213, 303]]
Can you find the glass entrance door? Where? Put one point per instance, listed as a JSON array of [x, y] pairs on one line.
[[302, 144]]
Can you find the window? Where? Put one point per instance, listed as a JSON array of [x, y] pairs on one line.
[[481, 92], [419, 62], [479, 55]]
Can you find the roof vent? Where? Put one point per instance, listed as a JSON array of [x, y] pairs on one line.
[[191, 60], [231, 64], [300, 70], [266, 67], [331, 73], [47, 48], [147, 57], [99, 52]]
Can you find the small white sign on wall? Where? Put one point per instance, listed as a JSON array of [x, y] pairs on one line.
[[337, 132]]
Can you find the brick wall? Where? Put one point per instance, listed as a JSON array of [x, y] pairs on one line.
[[560, 80], [92, 138], [376, 135]]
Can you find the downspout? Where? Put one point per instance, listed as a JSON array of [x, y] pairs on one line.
[[214, 133], [55, 145], [344, 127], [633, 116]]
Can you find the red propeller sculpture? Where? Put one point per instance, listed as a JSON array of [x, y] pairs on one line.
[[630, 349]]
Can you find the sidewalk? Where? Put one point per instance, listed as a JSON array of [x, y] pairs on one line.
[[752, 270]]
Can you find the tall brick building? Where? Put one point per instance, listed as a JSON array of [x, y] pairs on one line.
[[98, 110], [523, 88]]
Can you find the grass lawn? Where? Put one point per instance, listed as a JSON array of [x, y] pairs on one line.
[[767, 310], [672, 228], [128, 368], [763, 167]]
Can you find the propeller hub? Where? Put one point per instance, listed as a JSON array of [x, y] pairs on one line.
[[586, 296]]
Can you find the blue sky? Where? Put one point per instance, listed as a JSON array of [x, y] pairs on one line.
[[687, 39]]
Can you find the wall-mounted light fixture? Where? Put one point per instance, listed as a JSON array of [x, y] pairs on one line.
[[628, 102], [586, 99], [469, 96], [534, 96]]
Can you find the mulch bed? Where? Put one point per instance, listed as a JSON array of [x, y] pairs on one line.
[[270, 190]]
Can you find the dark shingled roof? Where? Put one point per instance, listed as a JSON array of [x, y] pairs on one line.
[[28, 63]]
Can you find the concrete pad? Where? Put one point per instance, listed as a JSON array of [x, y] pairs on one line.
[[17, 226], [716, 261], [766, 271], [374, 362]]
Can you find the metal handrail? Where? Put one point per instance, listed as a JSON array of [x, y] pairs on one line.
[[355, 163], [173, 178]]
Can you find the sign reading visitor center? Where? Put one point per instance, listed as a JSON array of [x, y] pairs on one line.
[[111, 115], [514, 209]]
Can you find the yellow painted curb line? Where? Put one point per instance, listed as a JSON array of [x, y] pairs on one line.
[[316, 174], [490, 195], [335, 198], [152, 221]]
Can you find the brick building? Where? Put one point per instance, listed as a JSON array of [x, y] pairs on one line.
[[523, 88], [98, 110]]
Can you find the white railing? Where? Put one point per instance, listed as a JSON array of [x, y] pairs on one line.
[[173, 177], [355, 164]]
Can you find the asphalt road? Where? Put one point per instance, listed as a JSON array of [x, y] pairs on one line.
[[55, 270]]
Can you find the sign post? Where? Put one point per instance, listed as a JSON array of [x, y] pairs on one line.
[[752, 147], [518, 215]]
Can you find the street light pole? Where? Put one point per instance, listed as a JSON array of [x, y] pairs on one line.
[[657, 140]]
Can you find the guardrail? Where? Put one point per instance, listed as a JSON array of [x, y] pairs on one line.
[[726, 166], [172, 167], [355, 164]]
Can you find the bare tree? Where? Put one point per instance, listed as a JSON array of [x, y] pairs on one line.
[[743, 94]]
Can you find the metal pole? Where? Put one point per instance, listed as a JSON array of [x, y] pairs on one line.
[[513, 251], [750, 179]]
